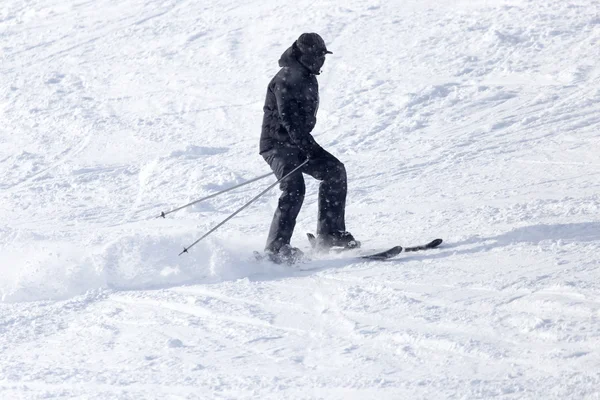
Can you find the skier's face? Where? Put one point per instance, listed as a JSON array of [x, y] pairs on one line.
[[319, 61], [315, 61]]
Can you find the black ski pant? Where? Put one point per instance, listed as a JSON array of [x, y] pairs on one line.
[[332, 193]]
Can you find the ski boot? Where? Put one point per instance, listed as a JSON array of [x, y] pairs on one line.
[[342, 239], [285, 255]]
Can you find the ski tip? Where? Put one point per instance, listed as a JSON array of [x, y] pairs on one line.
[[384, 255], [435, 243], [311, 239]]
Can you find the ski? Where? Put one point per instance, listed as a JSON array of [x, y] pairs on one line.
[[431, 245], [394, 251], [381, 256], [384, 255]]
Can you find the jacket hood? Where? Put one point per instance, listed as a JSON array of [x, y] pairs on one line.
[[291, 58]]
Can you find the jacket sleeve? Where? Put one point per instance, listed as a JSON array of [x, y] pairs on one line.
[[295, 120]]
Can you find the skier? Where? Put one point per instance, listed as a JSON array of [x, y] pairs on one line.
[[289, 117]]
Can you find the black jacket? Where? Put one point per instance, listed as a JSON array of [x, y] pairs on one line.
[[290, 111]]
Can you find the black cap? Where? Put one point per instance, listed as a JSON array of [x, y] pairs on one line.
[[312, 43]]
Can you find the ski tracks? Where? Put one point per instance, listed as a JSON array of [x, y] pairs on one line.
[[145, 174], [61, 159]]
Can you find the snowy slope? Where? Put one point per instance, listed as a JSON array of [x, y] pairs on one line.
[[475, 121]]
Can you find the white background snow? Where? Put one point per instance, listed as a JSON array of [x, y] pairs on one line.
[[473, 121]]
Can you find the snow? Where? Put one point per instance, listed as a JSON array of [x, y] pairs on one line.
[[473, 121]]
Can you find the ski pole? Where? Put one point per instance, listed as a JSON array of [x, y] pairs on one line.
[[164, 214], [185, 249]]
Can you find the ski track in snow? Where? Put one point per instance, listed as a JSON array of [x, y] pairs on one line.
[[474, 121]]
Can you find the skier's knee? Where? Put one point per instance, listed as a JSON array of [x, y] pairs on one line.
[[340, 172], [294, 188]]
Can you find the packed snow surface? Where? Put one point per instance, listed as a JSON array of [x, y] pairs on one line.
[[474, 121]]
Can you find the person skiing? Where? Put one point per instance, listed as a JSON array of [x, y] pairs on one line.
[[286, 142]]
